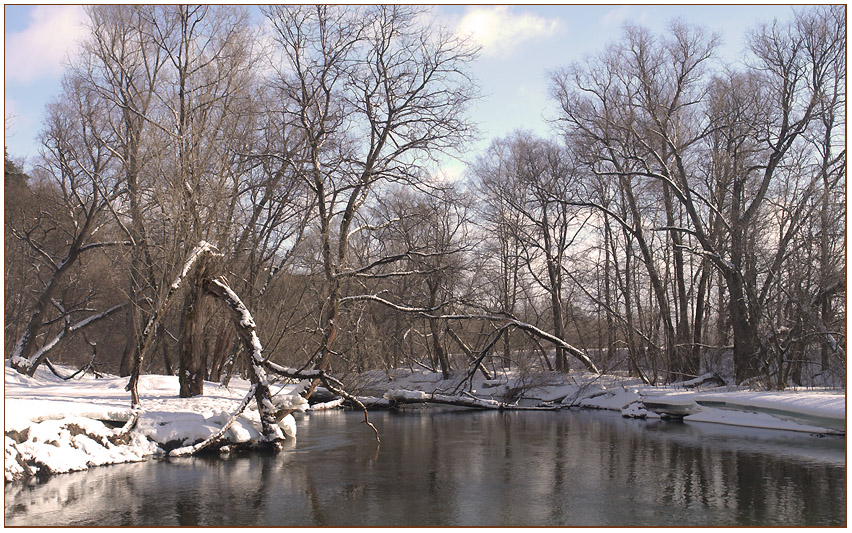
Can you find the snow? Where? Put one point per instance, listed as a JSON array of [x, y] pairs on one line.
[[750, 419], [201, 248], [57, 426], [829, 404], [405, 395], [821, 411], [333, 404], [614, 400]]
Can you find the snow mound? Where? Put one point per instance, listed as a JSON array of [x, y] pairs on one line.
[[70, 444], [815, 411], [56, 426], [613, 400], [400, 394]]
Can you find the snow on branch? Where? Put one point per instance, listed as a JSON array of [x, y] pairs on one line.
[[402, 396], [405, 309], [92, 246], [364, 271], [246, 329], [41, 353], [331, 383], [189, 450], [202, 248]]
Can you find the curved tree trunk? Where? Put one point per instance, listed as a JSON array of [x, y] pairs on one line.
[[246, 329]]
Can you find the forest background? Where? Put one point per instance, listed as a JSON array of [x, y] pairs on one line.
[[679, 213]]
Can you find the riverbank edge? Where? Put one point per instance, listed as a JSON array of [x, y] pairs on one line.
[[61, 441]]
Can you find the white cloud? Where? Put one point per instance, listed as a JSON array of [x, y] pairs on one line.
[[41, 49], [499, 31], [615, 16], [619, 15], [449, 172]]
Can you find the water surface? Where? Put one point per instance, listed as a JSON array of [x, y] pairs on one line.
[[462, 468]]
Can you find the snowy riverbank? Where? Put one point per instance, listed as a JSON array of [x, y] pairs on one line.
[[56, 426], [821, 411]]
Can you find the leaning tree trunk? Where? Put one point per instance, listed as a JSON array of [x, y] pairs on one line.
[[145, 340], [246, 329], [23, 359]]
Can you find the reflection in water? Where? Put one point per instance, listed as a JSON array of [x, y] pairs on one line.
[[451, 468]]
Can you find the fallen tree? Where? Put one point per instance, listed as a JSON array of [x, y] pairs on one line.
[[218, 288], [397, 397], [331, 383], [246, 329], [28, 365]]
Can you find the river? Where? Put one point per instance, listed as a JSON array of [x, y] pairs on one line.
[[459, 468]]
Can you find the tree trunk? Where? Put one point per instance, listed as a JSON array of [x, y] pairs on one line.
[[246, 329], [25, 347], [748, 349], [610, 264], [554, 275], [684, 363], [131, 343], [698, 320], [202, 250], [191, 369], [435, 329], [648, 258]]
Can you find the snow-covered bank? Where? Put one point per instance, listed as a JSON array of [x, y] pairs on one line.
[[820, 411], [56, 426]]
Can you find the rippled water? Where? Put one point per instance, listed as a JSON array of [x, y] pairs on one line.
[[462, 468]]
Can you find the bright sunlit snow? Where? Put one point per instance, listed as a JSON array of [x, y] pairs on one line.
[[59, 426], [56, 426]]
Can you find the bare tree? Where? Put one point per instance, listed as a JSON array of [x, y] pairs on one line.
[[82, 169], [720, 148], [202, 118], [431, 230], [122, 66], [375, 94], [535, 180]]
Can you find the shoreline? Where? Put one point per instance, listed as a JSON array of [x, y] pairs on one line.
[[54, 426]]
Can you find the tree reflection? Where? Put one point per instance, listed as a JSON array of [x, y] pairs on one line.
[[446, 468]]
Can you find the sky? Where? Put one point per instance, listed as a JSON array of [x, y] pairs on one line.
[[520, 46]]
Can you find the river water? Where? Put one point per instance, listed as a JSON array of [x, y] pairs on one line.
[[461, 468]]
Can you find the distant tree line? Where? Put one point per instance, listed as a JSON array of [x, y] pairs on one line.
[[686, 216]]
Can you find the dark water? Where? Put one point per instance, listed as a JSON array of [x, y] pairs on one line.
[[451, 468]]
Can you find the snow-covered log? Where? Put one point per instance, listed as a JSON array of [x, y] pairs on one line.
[[189, 450], [401, 396], [710, 377], [333, 404], [333, 384]]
